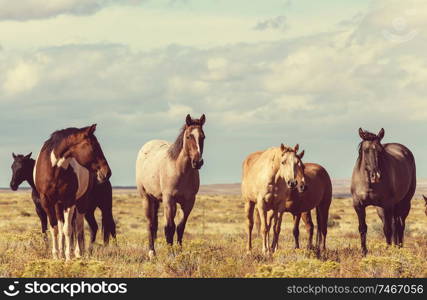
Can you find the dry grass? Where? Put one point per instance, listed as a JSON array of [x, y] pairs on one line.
[[214, 245]]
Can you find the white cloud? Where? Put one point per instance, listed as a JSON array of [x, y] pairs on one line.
[[36, 9], [22, 77]]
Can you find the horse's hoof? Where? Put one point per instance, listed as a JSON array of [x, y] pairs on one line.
[[151, 254]]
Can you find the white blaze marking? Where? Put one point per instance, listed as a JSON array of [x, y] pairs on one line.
[[195, 133]]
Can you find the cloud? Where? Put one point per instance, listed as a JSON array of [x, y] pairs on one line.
[[24, 10], [276, 23]]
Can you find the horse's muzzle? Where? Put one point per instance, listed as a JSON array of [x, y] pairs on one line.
[[102, 177], [292, 184], [374, 177], [13, 186], [302, 188], [197, 164]]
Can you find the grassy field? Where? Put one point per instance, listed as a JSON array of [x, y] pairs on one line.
[[214, 245]]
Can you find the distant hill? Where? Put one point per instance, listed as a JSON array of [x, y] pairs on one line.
[[341, 188]]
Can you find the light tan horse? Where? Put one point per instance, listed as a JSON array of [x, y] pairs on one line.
[[276, 181], [169, 173]]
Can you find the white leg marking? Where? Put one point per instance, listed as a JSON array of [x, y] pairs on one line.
[[60, 239], [54, 233], [68, 230]]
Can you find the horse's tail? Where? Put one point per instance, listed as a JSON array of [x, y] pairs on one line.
[[108, 226]]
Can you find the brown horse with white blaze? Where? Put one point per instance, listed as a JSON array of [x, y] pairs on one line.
[[62, 179], [169, 173]]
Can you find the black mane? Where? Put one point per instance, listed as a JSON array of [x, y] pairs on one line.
[[176, 147], [58, 136]]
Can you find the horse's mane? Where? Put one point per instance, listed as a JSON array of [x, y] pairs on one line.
[[57, 137], [176, 147]]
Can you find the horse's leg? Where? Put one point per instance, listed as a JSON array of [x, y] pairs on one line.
[[386, 215], [68, 230], [43, 219], [271, 214], [309, 226], [363, 228], [295, 231], [156, 205], [323, 211], [262, 211], [169, 206], [148, 207], [186, 207], [80, 245], [59, 209], [249, 212], [53, 228], [93, 226], [276, 228], [401, 210]]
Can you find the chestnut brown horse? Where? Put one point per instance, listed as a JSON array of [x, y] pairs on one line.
[[169, 173], [277, 181], [62, 179], [100, 195], [384, 176]]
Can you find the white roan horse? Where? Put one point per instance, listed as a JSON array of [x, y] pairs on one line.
[[169, 173]]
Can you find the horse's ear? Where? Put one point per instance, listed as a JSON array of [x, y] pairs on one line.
[[13, 155], [282, 147], [301, 155], [188, 120], [296, 148], [90, 129], [425, 199], [361, 133], [381, 134], [28, 155], [202, 120]]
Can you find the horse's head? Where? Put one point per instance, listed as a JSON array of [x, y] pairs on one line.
[[22, 167], [87, 151], [194, 139], [292, 168], [425, 199], [370, 150]]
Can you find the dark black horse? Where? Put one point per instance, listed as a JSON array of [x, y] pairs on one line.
[[384, 176], [101, 195]]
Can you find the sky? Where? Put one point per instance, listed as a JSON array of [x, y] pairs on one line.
[[263, 72]]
